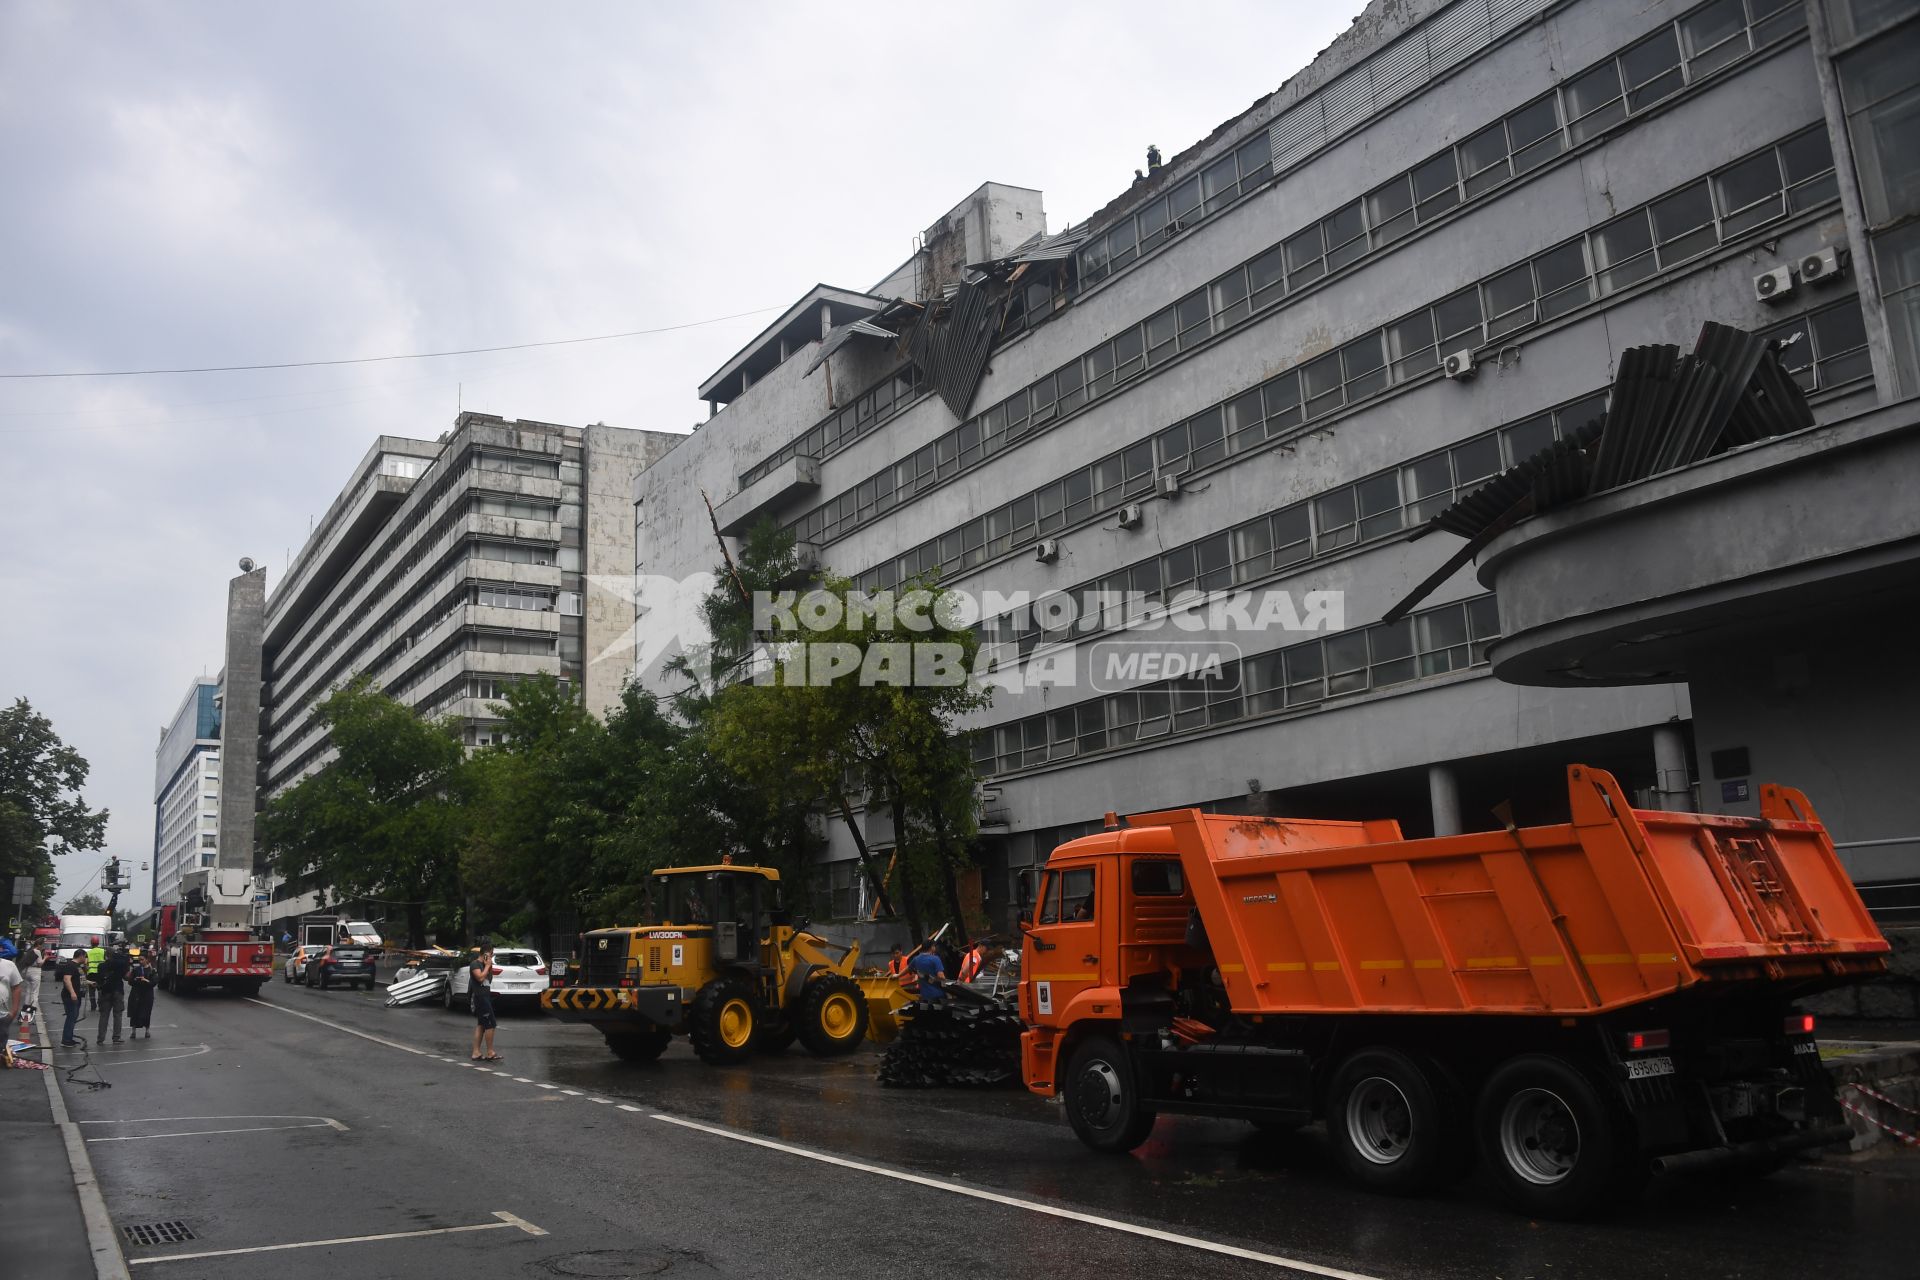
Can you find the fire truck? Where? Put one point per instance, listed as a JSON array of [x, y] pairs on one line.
[[206, 940]]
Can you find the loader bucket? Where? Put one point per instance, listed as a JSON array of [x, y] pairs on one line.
[[885, 996]]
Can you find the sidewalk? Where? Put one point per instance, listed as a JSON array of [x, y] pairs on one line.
[[51, 1231]]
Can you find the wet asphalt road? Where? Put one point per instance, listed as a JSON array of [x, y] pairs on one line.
[[332, 1135]]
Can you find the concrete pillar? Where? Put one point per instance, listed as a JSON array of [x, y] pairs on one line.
[[1670, 780], [1443, 793]]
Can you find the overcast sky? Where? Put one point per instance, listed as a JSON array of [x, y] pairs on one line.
[[240, 183]]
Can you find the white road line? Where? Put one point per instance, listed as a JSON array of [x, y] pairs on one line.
[[521, 1080], [625, 1107], [547, 1086], [605, 1102], [571, 1093], [295, 1013], [326, 1120], [195, 1133], [1015, 1202], [506, 1220]]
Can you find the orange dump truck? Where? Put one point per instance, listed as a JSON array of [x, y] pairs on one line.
[[1577, 1004]]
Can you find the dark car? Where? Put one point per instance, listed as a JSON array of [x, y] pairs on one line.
[[351, 965]]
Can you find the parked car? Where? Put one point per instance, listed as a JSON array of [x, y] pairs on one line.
[[519, 976], [294, 969], [351, 965]]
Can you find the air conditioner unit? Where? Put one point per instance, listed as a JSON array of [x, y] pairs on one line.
[[1132, 516], [1774, 285], [1047, 550], [1168, 486], [1459, 364], [1821, 267]]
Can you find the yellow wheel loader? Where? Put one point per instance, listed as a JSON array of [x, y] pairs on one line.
[[721, 962]]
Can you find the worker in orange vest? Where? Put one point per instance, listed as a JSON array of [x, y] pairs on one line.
[[971, 961], [897, 966]]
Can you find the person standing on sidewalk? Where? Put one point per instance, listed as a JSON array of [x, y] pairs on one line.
[[480, 996], [29, 964], [13, 992], [71, 973], [111, 982]]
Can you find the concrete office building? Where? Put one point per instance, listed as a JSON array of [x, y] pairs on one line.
[[186, 790], [448, 569], [1268, 359]]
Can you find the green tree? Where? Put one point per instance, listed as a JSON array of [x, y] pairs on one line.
[[87, 904], [887, 722], [387, 816], [42, 814]]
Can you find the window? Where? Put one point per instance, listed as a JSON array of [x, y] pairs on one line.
[[1683, 224], [1560, 280], [1652, 69], [209, 841], [1534, 132], [1320, 380], [1157, 878], [1436, 186], [1714, 36], [1623, 251], [1390, 210], [1346, 236], [1509, 300], [1594, 102], [1828, 348], [1882, 99], [1266, 278], [1807, 160], [1076, 895], [1483, 159]]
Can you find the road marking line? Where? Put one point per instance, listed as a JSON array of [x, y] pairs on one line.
[[506, 1220], [295, 1013], [571, 1093], [195, 1133], [1015, 1202], [547, 1086], [605, 1102], [625, 1107], [520, 1080], [327, 1120]]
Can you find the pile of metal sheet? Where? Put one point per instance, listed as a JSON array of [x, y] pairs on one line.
[[967, 1040], [416, 984], [1665, 411], [952, 341]]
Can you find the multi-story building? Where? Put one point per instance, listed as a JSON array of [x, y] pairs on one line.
[[186, 790], [1266, 361], [448, 569]]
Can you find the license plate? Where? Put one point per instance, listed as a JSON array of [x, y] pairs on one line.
[[1642, 1068]]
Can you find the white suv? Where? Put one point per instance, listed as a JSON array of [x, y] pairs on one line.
[[519, 976]]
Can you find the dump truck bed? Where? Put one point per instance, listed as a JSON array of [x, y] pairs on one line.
[[1615, 907]]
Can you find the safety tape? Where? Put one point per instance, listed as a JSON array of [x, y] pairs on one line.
[[1896, 1134], [1877, 1096]]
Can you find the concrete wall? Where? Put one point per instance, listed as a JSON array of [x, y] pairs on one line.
[[240, 719], [615, 458]]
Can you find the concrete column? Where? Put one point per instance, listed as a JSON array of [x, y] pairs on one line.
[[1670, 779], [1443, 792]]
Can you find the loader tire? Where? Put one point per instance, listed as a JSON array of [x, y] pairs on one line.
[[1103, 1098], [832, 1017], [1387, 1123], [722, 1021], [639, 1046], [1556, 1142]]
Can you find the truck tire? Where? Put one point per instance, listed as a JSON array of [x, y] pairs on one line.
[[832, 1017], [639, 1046], [1103, 1099], [722, 1021], [1385, 1121], [1556, 1145]]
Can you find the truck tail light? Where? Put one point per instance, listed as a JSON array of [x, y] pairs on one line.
[[1639, 1041], [1799, 1024]]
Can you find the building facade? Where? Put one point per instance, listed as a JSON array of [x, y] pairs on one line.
[[186, 790], [1267, 361], [448, 569]]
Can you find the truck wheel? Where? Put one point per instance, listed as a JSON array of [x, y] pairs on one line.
[[641, 1046], [1103, 1101], [721, 1022], [1384, 1118], [832, 1016], [1556, 1146]]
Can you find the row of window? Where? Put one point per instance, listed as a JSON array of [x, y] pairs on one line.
[[1789, 177], [869, 409], [1385, 503], [1431, 642], [526, 598], [1583, 106], [1832, 346], [514, 508]]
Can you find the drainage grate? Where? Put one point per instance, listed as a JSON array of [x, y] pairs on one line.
[[147, 1233]]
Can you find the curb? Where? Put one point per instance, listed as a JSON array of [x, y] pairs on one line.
[[108, 1262]]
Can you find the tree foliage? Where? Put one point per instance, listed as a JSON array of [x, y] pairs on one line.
[[86, 904], [386, 816], [42, 814]]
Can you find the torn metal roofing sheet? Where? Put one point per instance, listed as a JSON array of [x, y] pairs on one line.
[[1665, 411], [839, 336], [952, 341], [1053, 248]]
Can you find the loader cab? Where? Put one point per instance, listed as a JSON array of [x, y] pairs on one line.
[[740, 904]]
